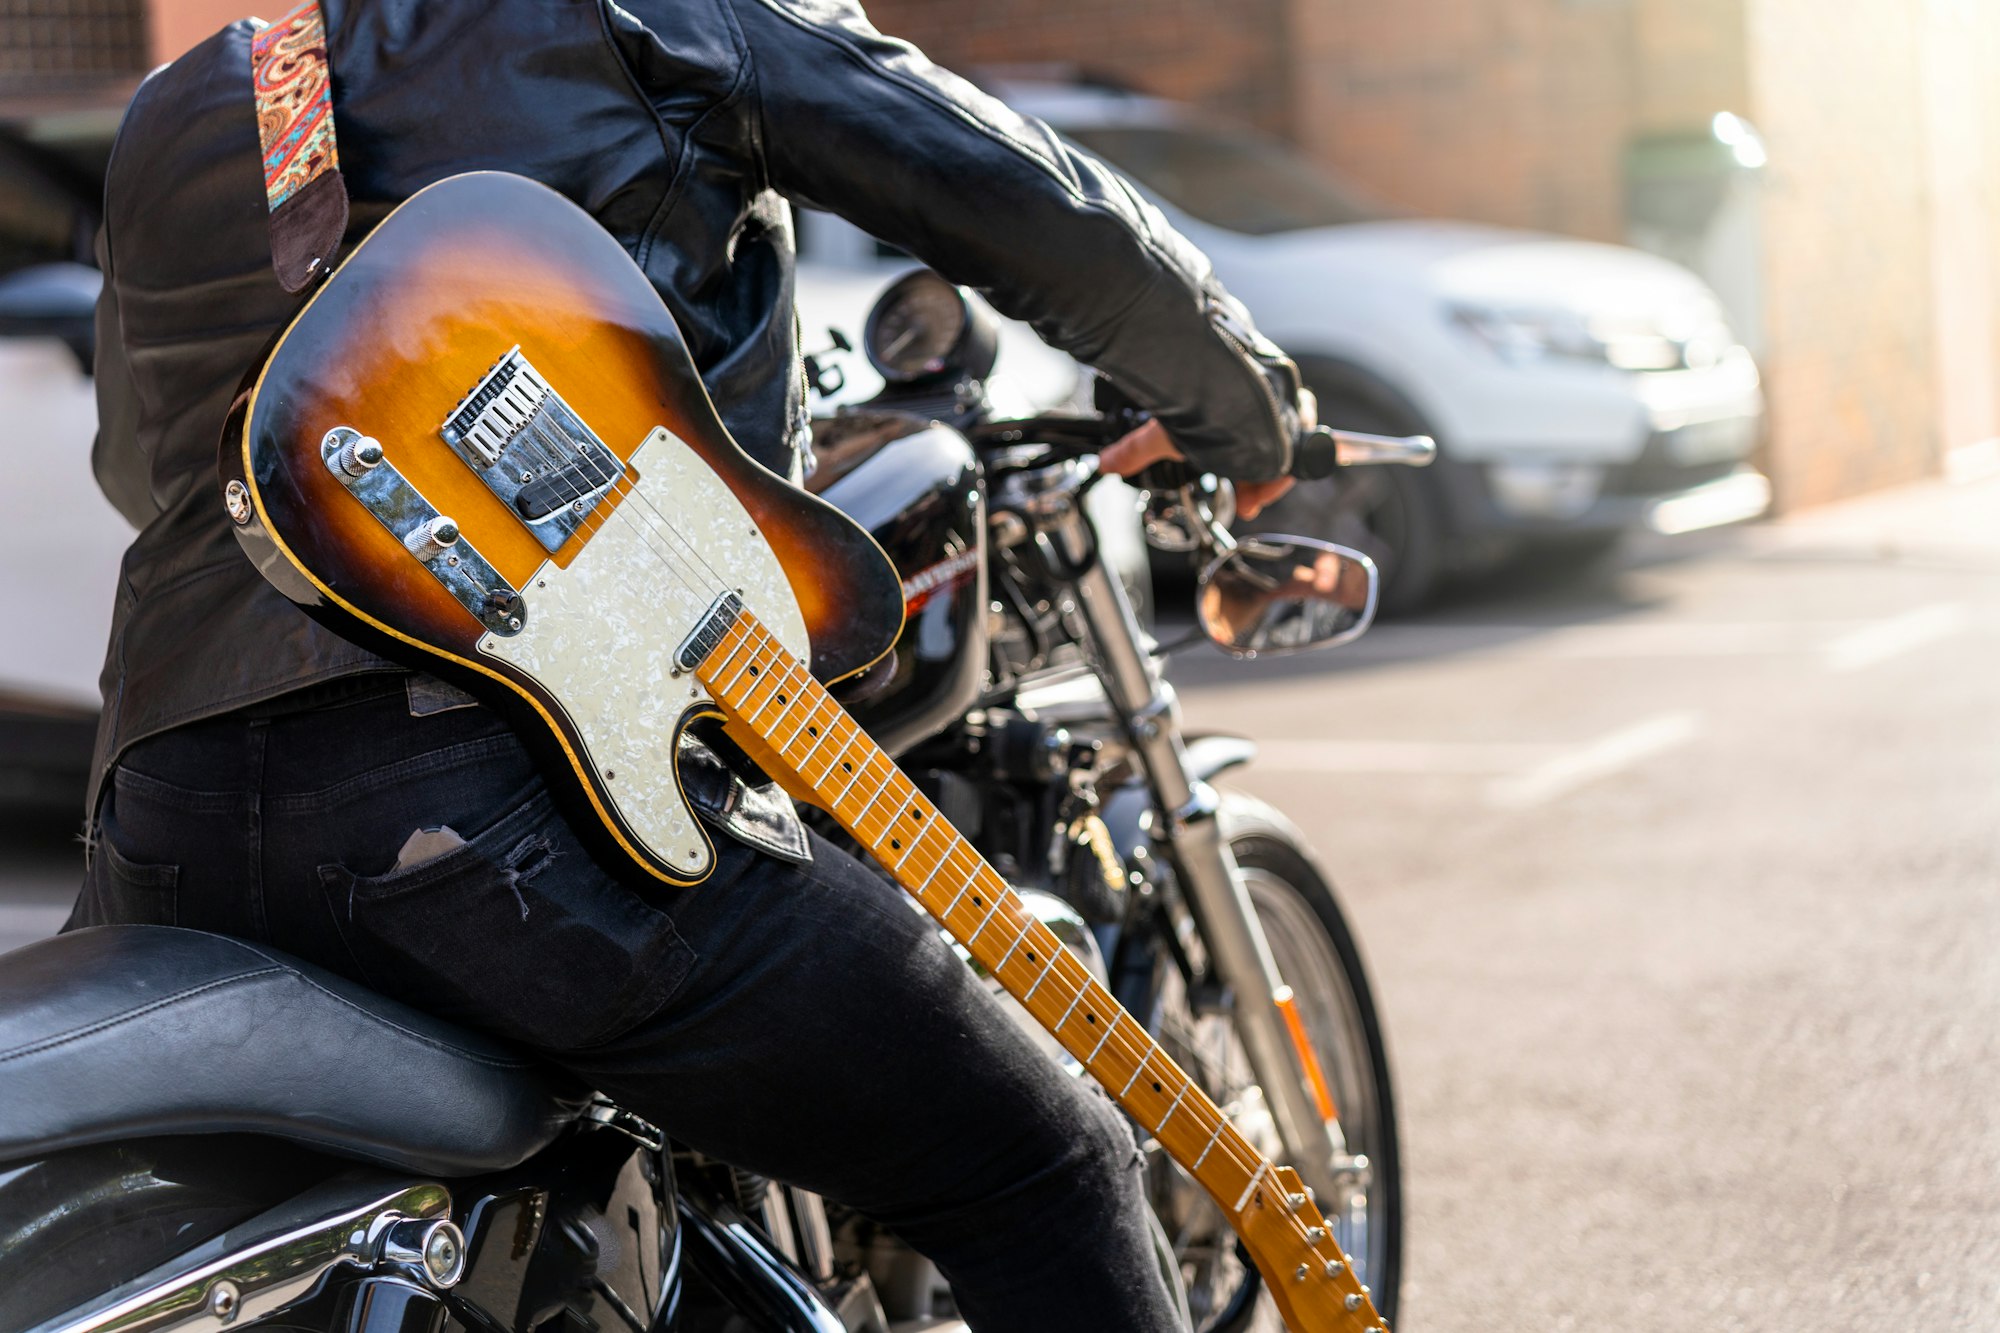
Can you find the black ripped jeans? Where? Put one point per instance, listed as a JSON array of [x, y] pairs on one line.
[[799, 1021]]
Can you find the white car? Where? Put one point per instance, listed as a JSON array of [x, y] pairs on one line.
[[1576, 389]]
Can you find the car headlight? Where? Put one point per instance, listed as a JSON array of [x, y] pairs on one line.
[[1522, 335], [1689, 339]]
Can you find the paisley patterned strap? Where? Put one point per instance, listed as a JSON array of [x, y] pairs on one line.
[[302, 183]]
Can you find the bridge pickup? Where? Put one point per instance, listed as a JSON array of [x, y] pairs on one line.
[[531, 449], [569, 484]]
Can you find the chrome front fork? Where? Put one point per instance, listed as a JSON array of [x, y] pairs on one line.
[[1188, 824]]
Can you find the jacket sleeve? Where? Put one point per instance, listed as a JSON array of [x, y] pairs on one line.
[[120, 467], [865, 126]]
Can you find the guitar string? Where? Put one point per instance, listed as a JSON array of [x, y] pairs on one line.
[[1123, 1045]]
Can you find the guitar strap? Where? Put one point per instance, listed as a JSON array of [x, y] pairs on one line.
[[302, 181]]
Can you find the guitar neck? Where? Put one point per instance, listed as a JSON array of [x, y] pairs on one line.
[[751, 675]]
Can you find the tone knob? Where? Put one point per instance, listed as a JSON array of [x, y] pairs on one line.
[[431, 538], [358, 456]]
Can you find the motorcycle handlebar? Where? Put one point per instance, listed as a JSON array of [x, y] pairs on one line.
[[1317, 454]]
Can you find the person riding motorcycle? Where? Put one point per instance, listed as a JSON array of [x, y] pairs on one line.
[[257, 776]]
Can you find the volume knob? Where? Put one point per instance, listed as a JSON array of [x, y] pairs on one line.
[[358, 456], [431, 538]]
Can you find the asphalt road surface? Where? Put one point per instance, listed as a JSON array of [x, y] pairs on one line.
[[1680, 883]]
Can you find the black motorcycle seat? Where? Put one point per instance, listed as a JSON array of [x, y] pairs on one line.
[[120, 1032]]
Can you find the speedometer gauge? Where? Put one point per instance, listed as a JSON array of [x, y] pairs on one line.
[[924, 328]]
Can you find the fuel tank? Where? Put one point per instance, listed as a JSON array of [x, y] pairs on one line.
[[916, 486]]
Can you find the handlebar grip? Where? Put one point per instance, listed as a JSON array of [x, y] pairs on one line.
[[1355, 449]]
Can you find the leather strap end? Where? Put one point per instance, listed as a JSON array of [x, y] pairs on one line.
[[306, 231]]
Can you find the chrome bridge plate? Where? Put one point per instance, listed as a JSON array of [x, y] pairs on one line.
[[531, 450], [403, 510]]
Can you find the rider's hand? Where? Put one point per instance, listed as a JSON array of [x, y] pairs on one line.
[[1151, 444]]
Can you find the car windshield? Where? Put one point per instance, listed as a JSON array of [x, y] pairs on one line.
[[1233, 180]]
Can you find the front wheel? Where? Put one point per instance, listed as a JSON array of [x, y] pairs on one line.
[[1318, 958]]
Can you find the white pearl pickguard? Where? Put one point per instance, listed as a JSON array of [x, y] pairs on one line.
[[600, 636]]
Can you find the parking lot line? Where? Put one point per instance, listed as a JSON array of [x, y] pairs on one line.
[[1573, 768], [1344, 756], [1886, 639]]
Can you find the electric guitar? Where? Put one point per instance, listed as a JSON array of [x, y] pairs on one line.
[[482, 448]]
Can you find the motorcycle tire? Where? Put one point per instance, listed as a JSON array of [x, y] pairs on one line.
[[1318, 956]]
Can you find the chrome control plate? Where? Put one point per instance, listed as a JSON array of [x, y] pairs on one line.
[[403, 510], [531, 450]]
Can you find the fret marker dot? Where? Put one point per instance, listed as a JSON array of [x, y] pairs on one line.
[[753, 668], [1031, 955], [894, 845], [849, 767], [977, 903], [1090, 1018], [812, 731], [1156, 1087], [781, 698]]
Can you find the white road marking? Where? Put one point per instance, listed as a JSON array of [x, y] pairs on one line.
[[1601, 758], [1615, 641], [1884, 639], [1335, 756]]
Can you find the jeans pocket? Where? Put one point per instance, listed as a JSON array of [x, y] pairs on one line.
[[120, 891], [516, 931]]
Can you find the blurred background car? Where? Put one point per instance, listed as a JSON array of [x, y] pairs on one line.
[[1578, 390], [61, 540]]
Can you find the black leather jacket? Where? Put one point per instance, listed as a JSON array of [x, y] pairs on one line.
[[683, 126]]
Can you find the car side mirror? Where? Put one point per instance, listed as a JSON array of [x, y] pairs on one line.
[[53, 301], [1272, 595]]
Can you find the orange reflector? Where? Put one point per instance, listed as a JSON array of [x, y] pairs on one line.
[[1308, 1060]]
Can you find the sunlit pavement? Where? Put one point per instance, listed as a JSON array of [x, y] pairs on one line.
[[1680, 881], [1681, 890]]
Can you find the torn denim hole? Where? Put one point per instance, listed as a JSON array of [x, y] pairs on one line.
[[529, 858]]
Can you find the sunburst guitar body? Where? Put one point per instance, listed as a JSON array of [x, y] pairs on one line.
[[482, 449]]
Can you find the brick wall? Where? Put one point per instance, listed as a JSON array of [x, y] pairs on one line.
[[1225, 54]]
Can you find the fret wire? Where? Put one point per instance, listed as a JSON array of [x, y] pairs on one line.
[[806, 695], [1109, 1028], [915, 842], [1041, 976], [1077, 999], [943, 858], [743, 633], [729, 684], [970, 885], [765, 676], [1212, 1140], [860, 768], [715, 662], [1026, 931], [886, 784], [1170, 1110], [983, 921], [800, 762], [1263, 1167], [838, 758]]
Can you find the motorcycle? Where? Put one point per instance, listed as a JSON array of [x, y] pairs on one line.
[[173, 1155]]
